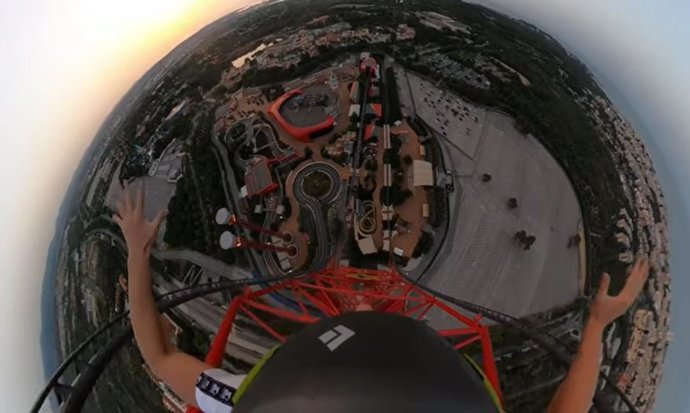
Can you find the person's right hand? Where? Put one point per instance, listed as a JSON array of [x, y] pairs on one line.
[[606, 308], [139, 233]]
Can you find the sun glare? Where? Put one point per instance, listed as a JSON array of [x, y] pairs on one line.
[[132, 23], [146, 13]]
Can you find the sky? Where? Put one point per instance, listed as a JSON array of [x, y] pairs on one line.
[[66, 63]]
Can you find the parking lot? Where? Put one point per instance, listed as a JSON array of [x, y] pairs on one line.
[[480, 260], [158, 188]]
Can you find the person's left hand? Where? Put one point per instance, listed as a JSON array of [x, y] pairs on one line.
[[605, 308], [139, 233]]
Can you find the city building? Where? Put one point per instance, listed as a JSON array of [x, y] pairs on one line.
[[369, 131], [354, 109], [373, 110], [439, 21], [366, 245]]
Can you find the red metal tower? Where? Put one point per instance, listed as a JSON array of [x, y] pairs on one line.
[[339, 290]]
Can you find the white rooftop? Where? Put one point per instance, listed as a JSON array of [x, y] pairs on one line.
[[422, 173]]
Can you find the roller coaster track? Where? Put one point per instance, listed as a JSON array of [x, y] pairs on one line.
[[73, 397], [543, 338]]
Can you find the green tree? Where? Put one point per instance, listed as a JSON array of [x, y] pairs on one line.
[[407, 160], [308, 153], [391, 156]]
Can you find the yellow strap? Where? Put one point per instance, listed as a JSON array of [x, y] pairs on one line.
[[252, 375], [489, 387]]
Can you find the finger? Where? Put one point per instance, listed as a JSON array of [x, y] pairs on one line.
[[645, 267], [127, 197], [117, 218], [160, 216], [638, 266], [640, 276], [140, 198], [604, 284], [636, 280], [120, 204]]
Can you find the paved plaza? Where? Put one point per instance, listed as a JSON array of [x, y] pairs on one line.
[[159, 187], [480, 261]]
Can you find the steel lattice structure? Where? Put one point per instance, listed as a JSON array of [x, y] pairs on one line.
[[340, 290], [324, 294]]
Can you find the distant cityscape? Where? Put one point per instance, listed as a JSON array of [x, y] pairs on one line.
[[468, 150]]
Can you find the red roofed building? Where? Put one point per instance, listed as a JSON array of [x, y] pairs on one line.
[[369, 131], [377, 109], [258, 178], [304, 133], [373, 110], [369, 65]]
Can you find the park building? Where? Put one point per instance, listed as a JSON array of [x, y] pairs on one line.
[[258, 179], [422, 173]]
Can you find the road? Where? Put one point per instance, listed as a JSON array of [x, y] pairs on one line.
[[207, 316], [318, 224], [208, 264]]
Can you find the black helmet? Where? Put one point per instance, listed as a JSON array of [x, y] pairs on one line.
[[366, 362]]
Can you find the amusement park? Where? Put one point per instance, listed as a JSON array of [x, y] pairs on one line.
[[343, 330], [348, 215]]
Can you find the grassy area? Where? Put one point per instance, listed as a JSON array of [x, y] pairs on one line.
[[317, 184], [199, 194], [392, 102]]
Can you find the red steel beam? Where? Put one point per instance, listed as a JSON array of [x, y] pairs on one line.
[[279, 312], [467, 342], [263, 324], [490, 369], [457, 332], [338, 290]]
